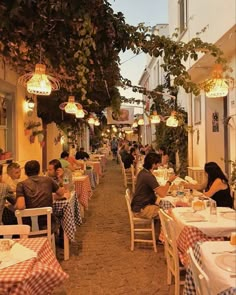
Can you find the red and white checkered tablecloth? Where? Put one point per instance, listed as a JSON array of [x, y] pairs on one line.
[[96, 167], [68, 214], [36, 276], [188, 237], [83, 189]]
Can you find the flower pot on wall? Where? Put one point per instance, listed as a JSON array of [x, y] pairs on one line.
[[27, 132], [42, 143], [32, 138]]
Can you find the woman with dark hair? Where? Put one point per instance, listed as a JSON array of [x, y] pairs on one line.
[[147, 189], [164, 155], [216, 186]]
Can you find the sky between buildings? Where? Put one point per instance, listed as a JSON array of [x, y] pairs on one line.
[[150, 12]]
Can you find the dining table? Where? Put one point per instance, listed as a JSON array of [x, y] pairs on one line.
[[68, 214], [218, 261], [35, 272], [192, 226], [97, 168], [83, 190]]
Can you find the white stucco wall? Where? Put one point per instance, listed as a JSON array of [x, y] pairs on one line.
[[216, 18]]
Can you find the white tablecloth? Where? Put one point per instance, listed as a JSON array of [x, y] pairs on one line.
[[222, 227], [221, 278]]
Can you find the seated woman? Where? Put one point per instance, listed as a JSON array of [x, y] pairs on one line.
[[164, 156], [216, 186], [129, 159]]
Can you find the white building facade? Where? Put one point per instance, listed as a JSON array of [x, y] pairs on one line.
[[213, 120], [152, 76]]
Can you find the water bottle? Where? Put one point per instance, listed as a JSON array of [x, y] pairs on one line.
[[66, 182]]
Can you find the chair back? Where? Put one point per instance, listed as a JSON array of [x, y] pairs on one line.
[[128, 203], [34, 213], [171, 250], [7, 231], [200, 278]]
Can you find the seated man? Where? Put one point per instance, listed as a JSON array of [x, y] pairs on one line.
[[63, 177], [13, 175], [5, 191], [36, 192], [64, 161], [144, 200], [81, 154]]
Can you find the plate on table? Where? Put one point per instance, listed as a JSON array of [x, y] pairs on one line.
[[229, 215], [192, 217], [227, 262]]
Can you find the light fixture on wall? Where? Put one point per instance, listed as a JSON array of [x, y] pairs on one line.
[[218, 85], [30, 103], [172, 120], [155, 118]]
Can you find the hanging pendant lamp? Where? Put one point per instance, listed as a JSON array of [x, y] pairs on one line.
[[38, 82], [218, 85], [97, 123], [91, 120], [135, 124], [155, 118], [172, 120], [141, 121], [70, 107], [80, 112]]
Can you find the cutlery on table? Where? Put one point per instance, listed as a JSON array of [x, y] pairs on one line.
[[221, 252]]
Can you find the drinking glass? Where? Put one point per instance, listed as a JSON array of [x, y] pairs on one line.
[[213, 211], [5, 248], [233, 238]]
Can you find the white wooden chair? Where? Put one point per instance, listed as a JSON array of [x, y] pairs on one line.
[[34, 213], [133, 178], [128, 178], [201, 280], [171, 251], [7, 231], [140, 226]]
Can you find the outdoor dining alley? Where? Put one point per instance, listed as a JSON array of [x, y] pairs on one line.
[[100, 260]]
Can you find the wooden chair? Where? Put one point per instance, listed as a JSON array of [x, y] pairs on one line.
[[34, 213], [7, 231], [140, 226], [133, 178], [127, 173], [201, 280], [171, 251]]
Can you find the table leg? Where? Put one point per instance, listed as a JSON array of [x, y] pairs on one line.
[[66, 247]]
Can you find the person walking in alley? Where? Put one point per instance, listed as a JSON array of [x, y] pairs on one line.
[[114, 148]]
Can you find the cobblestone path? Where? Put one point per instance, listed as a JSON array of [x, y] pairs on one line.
[[101, 262]]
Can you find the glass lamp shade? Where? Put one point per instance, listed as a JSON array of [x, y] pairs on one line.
[[141, 121], [31, 104], [71, 107], [79, 113], [219, 89], [172, 121], [135, 124], [155, 119], [96, 123], [39, 84], [91, 121]]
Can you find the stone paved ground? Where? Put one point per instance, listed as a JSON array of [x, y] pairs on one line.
[[101, 262]]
